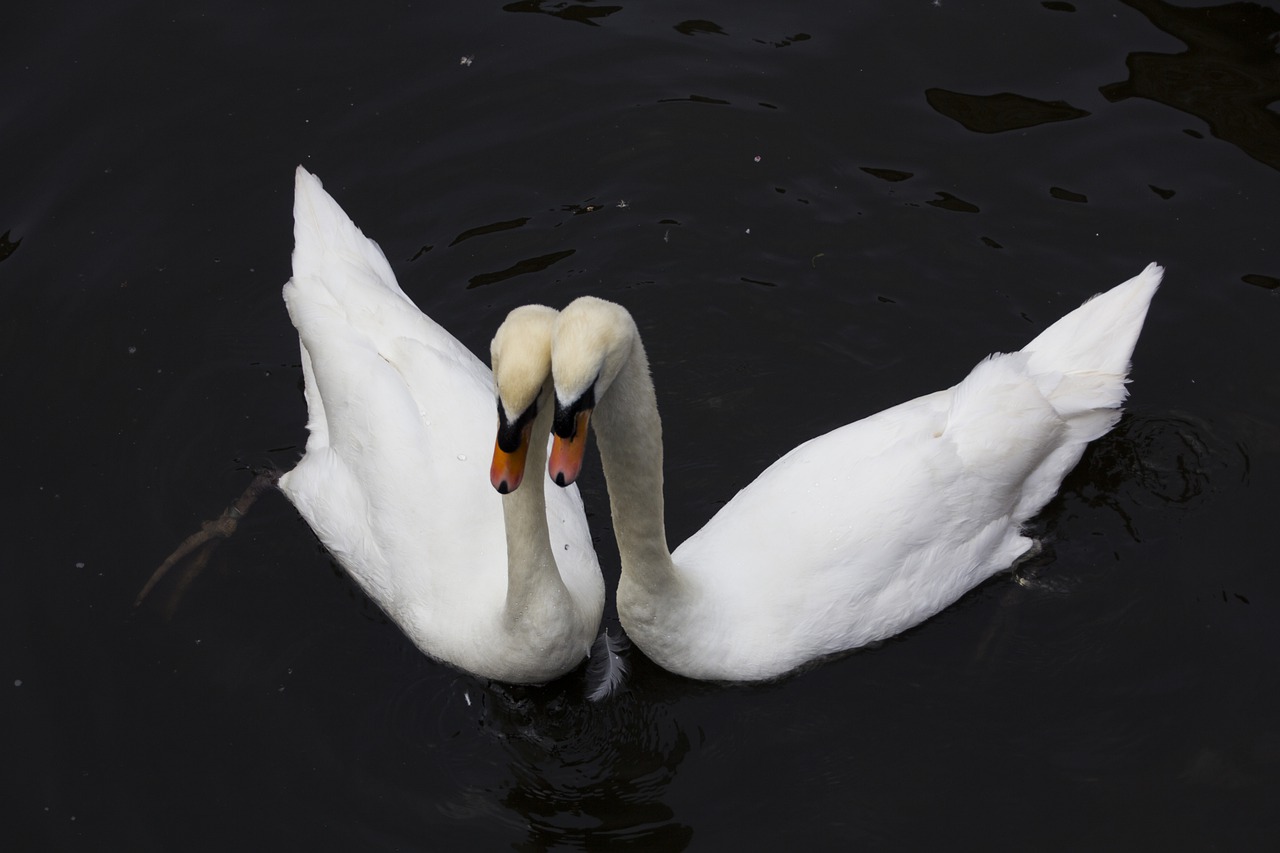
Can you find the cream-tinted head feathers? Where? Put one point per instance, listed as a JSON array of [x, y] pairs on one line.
[[593, 339], [521, 357]]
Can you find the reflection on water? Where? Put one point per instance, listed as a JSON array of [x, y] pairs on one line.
[[7, 248], [999, 113], [1228, 76], [697, 27], [947, 201], [1089, 591], [522, 267], [548, 765], [1169, 461], [1146, 467], [578, 12], [586, 773]]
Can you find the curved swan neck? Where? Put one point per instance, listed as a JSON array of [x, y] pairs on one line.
[[629, 431], [532, 574]]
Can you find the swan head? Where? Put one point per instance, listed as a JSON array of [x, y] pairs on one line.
[[521, 358], [593, 339]]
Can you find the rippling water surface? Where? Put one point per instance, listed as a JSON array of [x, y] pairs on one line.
[[814, 210]]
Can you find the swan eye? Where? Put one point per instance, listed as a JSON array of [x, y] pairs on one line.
[[565, 424], [511, 434]]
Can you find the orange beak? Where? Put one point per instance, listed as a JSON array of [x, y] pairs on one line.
[[565, 462], [507, 471]]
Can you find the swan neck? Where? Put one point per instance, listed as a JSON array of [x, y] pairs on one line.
[[629, 432], [532, 574]]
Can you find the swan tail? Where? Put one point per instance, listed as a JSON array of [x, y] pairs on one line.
[[607, 669], [1023, 420], [335, 266], [1081, 362], [326, 240], [1081, 365]]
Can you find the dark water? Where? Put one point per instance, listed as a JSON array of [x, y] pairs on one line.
[[829, 208]]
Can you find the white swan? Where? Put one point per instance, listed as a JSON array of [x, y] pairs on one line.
[[855, 535], [393, 480]]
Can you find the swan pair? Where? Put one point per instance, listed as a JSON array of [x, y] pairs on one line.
[[850, 538]]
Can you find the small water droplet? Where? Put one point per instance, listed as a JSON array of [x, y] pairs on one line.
[[462, 457], [17, 682]]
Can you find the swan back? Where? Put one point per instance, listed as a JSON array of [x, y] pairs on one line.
[[390, 395]]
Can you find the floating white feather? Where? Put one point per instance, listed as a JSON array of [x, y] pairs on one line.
[[607, 668]]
